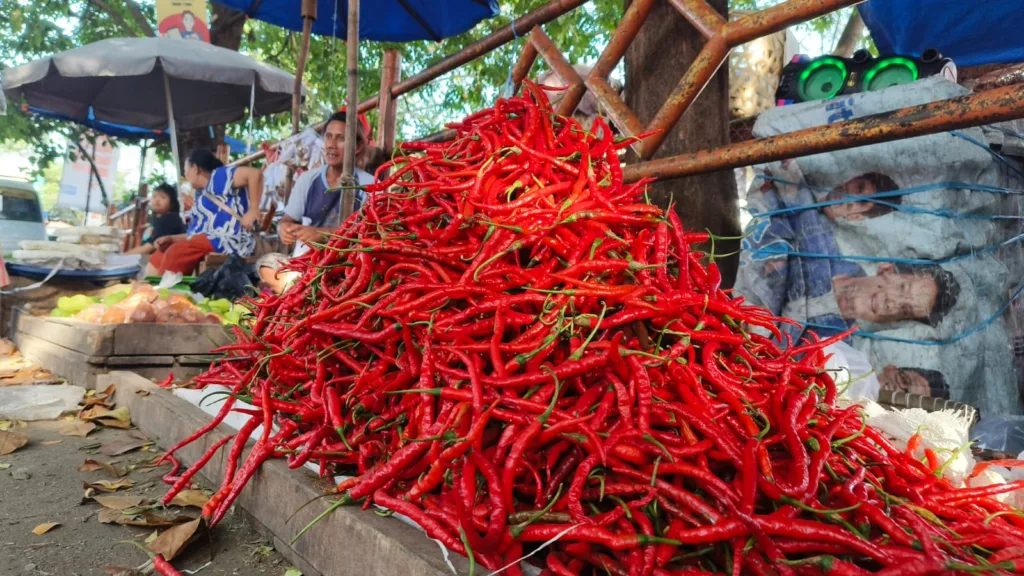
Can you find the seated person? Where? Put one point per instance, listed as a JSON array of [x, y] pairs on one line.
[[166, 219], [315, 195], [226, 209]]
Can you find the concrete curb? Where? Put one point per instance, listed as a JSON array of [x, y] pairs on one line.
[[349, 542]]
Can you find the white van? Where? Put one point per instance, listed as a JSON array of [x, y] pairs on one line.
[[21, 215]]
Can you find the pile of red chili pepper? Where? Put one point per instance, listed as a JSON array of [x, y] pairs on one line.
[[509, 346]]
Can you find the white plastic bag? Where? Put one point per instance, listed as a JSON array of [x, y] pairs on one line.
[[38, 402], [846, 365]]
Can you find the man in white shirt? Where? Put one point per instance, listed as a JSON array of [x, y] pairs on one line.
[[314, 207]]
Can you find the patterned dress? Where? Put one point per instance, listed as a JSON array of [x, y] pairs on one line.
[[224, 231]]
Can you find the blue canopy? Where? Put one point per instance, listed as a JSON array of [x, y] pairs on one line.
[[116, 130], [381, 20], [971, 33]]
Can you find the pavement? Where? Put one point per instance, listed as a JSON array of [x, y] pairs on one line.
[[40, 483]]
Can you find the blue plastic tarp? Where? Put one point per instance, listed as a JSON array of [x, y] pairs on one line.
[[971, 33], [116, 130], [380, 20]]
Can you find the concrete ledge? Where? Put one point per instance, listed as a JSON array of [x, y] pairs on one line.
[[349, 542]]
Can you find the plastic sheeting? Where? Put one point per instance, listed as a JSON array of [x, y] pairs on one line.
[[383, 20], [971, 33]]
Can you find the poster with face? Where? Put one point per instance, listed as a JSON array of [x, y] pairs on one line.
[[915, 243], [185, 19]]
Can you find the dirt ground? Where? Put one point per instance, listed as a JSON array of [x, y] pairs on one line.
[[42, 484]]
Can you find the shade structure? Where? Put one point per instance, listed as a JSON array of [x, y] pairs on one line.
[[115, 130], [125, 81], [971, 33], [381, 20]]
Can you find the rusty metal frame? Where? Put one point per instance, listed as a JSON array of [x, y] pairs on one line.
[[993, 105], [989, 106], [722, 36]]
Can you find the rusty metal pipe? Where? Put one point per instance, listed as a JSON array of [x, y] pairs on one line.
[[623, 36], [390, 73], [563, 69], [778, 18], [522, 68], [542, 15], [700, 15], [708, 61], [616, 109], [995, 105]]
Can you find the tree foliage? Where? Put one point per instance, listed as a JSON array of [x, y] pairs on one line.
[[38, 29]]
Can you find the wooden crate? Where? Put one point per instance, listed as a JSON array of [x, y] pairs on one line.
[[79, 351]]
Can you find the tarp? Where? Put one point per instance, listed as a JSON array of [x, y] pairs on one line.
[[971, 33], [381, 20]]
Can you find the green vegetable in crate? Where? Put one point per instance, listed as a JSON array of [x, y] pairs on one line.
[[58, 313], [114, 298], [74, 304], [220, 305]]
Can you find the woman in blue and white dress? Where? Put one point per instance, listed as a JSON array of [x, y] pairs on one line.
[[222, 218]]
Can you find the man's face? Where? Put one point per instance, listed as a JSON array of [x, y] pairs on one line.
[[903, 380], [850, 210], [888, 296], [188, 21], [334, 144]]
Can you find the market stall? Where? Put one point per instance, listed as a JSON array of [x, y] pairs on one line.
[[510, 349]]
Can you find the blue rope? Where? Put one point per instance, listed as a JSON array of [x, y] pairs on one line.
[[966, 334], [515, 35], [895, 193], [847, 198]]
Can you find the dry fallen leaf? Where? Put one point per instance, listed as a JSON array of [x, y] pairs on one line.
[[108, 486], [149, 539], [121, 447], [142, 392], [118, 502], [11, 441], [44, 528], [97, 401], [108, 516], [5, 465], [174, 540], [76, 428], [152, 518], [52, 442], [119, 418], [190, 498], [91, 465]]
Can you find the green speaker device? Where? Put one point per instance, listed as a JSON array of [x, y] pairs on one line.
[[826, 77]]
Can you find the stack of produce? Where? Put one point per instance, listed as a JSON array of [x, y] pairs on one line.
[[510, 347], [84, 247], [134, 303]]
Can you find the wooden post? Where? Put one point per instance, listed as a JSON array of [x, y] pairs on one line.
[[391, 73], [308, 17], [139, 217], [351, 110]]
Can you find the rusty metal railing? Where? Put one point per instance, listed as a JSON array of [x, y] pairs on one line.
[[722, 36]]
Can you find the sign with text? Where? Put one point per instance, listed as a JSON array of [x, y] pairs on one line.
[[185, 19], [78, 184]]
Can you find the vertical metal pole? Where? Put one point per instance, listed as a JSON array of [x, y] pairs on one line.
[[308, 17], [352, 108], [173, 129], [88, 191]]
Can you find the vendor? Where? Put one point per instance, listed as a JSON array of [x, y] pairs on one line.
[[226, 208], [315, 197], [166, 219]]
